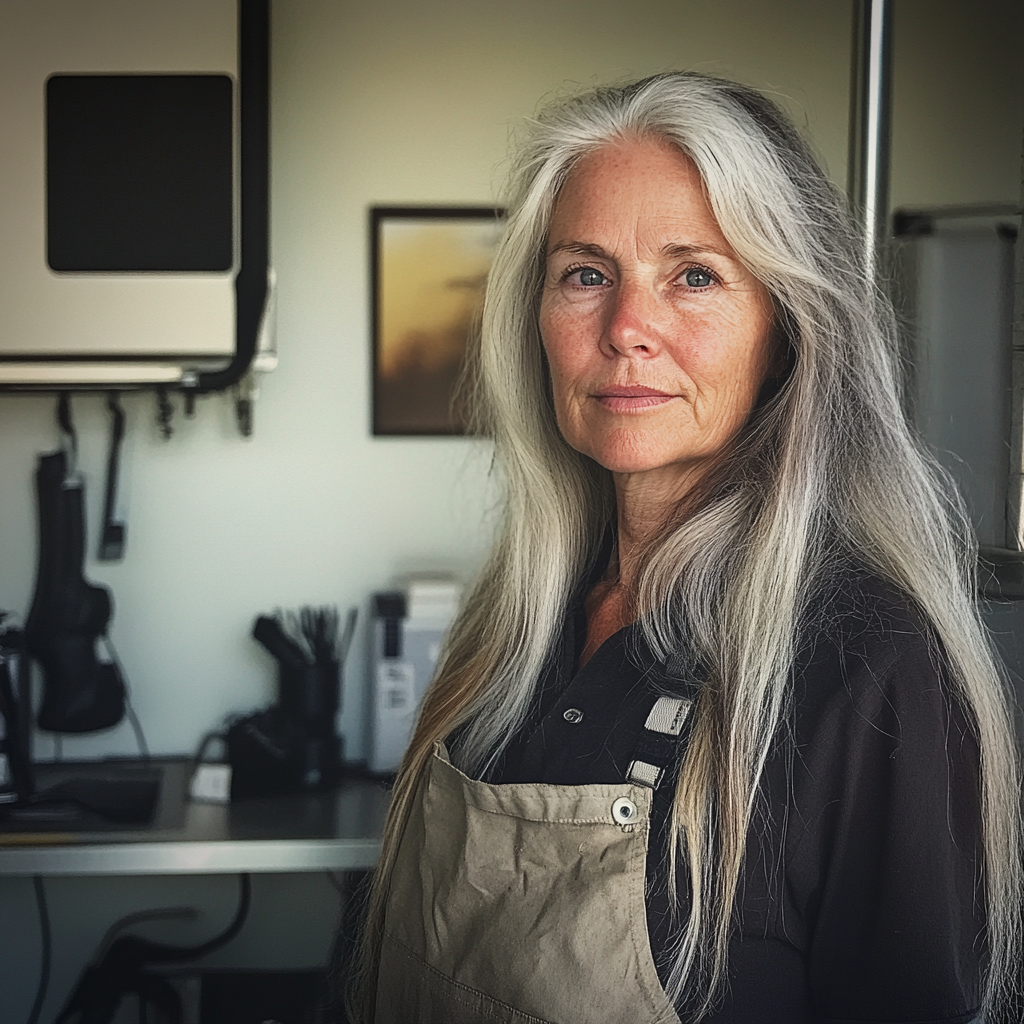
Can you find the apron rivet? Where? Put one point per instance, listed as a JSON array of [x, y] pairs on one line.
[[572, 715], [624, 811]]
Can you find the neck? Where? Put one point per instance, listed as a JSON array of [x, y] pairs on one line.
[[645, 504]]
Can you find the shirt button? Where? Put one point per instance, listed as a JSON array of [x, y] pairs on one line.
[[572, 715], [624, 811]]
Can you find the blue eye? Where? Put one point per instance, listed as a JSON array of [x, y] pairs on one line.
[[589, 277], [695, 277]]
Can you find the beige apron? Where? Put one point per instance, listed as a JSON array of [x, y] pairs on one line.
[[520, 903]]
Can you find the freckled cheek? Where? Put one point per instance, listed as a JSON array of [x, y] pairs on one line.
[[553, 336], [738, 389], [562, 385], [569, 355], [697, 348], [727, 372]]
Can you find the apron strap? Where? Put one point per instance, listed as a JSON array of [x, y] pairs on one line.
[[659, 743]]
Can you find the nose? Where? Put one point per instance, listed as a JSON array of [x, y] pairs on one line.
[[631, 329]]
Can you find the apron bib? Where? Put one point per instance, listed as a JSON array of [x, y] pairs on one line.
[[520, 904]]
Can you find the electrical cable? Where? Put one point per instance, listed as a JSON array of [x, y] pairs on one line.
[[140, 736], [143, 917], [133, 718], [206, 742], [46, 950], [244, 901], [121, 966]]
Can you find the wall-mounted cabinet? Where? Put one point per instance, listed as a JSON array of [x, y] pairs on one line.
[[133, 191]]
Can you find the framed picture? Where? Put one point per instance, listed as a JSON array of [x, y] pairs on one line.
[[430, 265]]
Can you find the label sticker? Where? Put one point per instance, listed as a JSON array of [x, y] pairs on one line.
[[396, 688]]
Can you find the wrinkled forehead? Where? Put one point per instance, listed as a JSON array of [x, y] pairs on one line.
[[641, 189]]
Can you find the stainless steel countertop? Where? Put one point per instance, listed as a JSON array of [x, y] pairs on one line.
[[334, 831]]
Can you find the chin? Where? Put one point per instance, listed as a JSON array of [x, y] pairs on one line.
[[628, 459]]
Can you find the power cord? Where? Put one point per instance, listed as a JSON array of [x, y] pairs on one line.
[[46, 950], [140, 736], [241, 913], [133, 718], [121, 968], [206, 742]]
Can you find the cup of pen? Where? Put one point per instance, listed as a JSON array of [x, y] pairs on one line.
[[298, 743], [309, 698]]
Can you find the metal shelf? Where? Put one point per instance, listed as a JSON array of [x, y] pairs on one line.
[[333, 831]]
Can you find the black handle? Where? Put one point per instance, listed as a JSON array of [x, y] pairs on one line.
[[112, 534]]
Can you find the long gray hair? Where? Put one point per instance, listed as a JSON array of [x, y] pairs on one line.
[[827, 468]]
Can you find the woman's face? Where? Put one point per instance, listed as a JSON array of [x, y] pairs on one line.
[[657, 336]]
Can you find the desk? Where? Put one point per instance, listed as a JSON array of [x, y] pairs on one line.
[[334, 831]]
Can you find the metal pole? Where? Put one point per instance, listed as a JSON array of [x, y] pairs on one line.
[[870, 118], [1015, 494]]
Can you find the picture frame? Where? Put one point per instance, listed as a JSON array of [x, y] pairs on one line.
[[429, 265]]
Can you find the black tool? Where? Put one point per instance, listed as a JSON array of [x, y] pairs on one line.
[[68, 613], [67, 428], [112, 535], [164, 414], [16, 712], [270, 634]]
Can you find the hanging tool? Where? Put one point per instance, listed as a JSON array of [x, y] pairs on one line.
[[112, 533], [68, 613], [164, 413], [69, 438]]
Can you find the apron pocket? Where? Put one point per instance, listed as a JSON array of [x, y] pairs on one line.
[[410, 991]]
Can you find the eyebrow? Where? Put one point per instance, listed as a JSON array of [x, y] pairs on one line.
[[677, 250], [681, 250], [579, 249]]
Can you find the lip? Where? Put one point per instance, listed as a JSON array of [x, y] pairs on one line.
[[631, 398]]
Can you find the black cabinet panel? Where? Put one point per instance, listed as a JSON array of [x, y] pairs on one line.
[[139, 172]]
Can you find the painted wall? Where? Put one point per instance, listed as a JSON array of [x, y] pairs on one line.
[[958, 102], [401, 101]]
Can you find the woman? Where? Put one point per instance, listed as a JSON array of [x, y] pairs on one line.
[[718, 735]]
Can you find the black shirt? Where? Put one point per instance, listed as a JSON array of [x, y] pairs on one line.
[[862, 897]]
